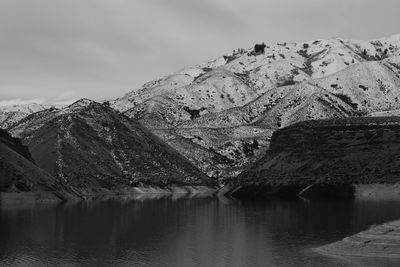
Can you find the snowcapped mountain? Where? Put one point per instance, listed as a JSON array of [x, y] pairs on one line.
[[13, 113], [90, 147], [25, 108], [221, 114]]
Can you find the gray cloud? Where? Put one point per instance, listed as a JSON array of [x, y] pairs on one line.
[[58, 50]]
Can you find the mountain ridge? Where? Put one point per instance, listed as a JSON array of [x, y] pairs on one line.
[[91, 148]]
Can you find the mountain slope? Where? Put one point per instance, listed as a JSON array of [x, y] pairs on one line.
[[91, 147], [19, 174], [281, 64]]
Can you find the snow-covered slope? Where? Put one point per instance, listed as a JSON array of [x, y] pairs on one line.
[[25, 108], [13, 113], [281, 64], [221, 114]]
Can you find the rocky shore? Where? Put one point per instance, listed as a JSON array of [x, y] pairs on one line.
[[382, 241]]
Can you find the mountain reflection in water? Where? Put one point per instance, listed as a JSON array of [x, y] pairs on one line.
[[186, 232]]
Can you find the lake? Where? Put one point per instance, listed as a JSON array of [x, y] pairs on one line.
[[186, 232]]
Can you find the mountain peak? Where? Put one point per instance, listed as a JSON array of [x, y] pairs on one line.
[[83, 102], [79, 105]]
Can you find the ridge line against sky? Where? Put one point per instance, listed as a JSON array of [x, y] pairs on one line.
[[57, 51]]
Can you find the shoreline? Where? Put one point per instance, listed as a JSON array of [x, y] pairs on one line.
[[377, 191], [373, 191], [361, 192], [50, 197]]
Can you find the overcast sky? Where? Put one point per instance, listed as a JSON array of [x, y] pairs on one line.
[[58, 51]]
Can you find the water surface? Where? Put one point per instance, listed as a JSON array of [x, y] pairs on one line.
[[186, 232]]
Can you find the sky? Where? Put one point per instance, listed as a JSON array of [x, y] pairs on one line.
[[54, 51]]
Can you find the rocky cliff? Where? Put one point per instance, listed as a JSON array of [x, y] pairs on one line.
[[327, 152]]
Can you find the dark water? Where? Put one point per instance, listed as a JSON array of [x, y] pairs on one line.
[[186, 232]]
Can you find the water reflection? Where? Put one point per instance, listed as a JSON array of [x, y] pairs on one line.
[[185, 232]]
